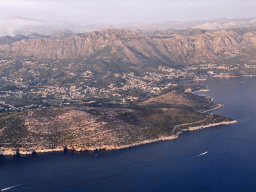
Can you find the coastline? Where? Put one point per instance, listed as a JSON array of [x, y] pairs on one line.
[[227, 77], [217, 107], [201, 90], [22, 151], [211, 125]]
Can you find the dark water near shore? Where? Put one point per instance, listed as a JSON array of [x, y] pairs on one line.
[[229, 165]]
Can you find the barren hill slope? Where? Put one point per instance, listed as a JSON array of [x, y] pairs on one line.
[[123, 46]]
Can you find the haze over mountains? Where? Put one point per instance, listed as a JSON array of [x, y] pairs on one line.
[[172, 43], [24, 26]]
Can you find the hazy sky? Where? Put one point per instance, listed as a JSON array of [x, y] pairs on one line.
[[127, 11]]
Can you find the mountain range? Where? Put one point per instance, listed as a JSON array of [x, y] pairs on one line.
[[124, 46]]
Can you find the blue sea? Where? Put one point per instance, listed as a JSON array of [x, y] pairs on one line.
[[214, 159]]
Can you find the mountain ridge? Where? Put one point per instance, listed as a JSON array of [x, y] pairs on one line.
[[124, 46]]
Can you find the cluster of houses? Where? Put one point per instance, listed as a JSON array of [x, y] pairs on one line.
[[151, 83]]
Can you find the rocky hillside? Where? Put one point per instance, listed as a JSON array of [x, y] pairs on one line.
[[123, 46], [91, 128]]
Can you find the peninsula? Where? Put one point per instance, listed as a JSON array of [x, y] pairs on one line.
[[85, 128]]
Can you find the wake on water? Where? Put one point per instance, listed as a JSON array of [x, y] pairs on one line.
[[8, 188], [200, 154], [11, 187]]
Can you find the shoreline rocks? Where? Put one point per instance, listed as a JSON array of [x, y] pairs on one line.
[[22, 151]]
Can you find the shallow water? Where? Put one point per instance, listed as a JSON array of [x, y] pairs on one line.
[[176, 165]]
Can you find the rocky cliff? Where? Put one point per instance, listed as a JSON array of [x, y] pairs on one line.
[[128, 47]]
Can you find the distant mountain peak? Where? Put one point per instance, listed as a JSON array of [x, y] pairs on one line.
[[18, 18]]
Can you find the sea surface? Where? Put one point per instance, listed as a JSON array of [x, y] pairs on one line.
[[214, 159]]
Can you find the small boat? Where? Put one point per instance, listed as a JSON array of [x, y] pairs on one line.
[[200, 154], [204, 153]]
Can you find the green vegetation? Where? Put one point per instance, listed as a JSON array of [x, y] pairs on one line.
[[13, 129]]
